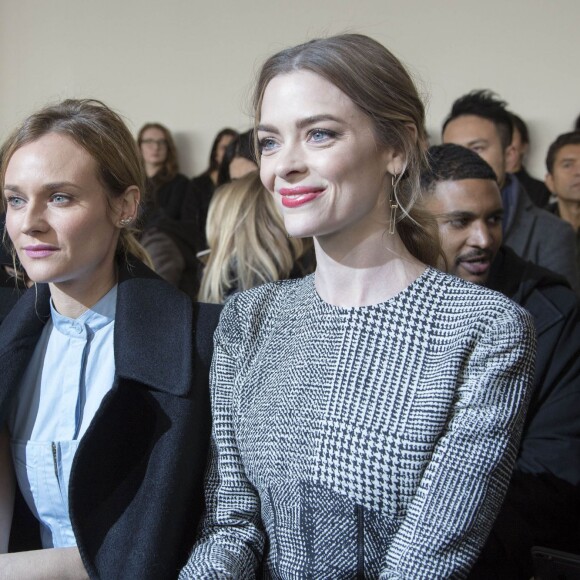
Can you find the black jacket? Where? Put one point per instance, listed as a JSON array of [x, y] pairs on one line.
[[135, 491], [542, 506]]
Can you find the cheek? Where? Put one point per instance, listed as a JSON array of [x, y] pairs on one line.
[[267, 175], [452, 243]]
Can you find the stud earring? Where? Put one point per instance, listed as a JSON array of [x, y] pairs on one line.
[[393, 204], [126, 221]]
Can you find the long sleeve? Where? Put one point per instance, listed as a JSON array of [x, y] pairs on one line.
[[463, 485], [231, 541]]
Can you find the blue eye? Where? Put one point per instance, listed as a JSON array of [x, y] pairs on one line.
[[60, 198], [318, 135], [267, 144], [14, 201]]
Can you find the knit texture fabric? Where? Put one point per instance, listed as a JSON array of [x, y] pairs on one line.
[[369, 442]]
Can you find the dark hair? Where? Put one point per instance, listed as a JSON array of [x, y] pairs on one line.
[[104, 135], [241, 146], [213, 162], [380, 86], [452, 162], [577, 125], [572, 138], [519, 124], [484, 104], [171, 165]]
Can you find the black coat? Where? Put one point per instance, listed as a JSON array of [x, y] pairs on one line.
[[135, 491], [542, 505]]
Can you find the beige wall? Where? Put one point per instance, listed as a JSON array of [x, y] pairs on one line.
[[190, 63]]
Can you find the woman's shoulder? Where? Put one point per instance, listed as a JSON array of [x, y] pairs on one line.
[[254, 311], [457, 299]]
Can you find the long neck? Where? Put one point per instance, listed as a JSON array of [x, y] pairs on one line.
[[362, 271]]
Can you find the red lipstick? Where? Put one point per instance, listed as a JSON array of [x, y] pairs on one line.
[[298, 196]]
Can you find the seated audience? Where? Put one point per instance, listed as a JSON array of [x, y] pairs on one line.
[[104, 402], [201, 188], [248, 242], [536, 189], [563, 180], [542, 506], [165, 186], [482, 123], [170, 245]]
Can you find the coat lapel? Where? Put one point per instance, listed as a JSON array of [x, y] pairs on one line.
[[153, 331], [19, 334]]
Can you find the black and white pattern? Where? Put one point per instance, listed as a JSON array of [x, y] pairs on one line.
[[374, 441]]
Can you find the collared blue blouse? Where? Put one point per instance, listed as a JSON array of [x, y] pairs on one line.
[[71, 370]]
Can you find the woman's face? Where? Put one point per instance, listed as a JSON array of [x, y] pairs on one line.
[[221, 148], [320, 158], [240, 166], [58, 215], [153, 147]]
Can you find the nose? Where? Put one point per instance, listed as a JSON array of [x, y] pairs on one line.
[[290, 160], [480, 235], [33, 217]]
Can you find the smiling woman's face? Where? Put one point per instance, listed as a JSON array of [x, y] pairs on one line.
[[58, 215], [320, 158]]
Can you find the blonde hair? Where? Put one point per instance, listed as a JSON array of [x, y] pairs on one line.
[[376, 82], [104, 135], [249, 245]]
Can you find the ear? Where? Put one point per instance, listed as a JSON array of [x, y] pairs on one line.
[[129, 203], [511, 156], [397, 161], [550, 183]]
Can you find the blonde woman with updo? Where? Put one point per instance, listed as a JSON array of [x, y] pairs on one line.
[[104, 418], [248, 243], [366, 418]]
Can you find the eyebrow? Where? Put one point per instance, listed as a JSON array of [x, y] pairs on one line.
[[46, 187], [302, 123], [477, 142], [469, 214]]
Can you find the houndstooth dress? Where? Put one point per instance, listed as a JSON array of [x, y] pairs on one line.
[[367, 442]]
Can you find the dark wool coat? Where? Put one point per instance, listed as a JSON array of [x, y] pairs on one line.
[[542, 506], [135, 491]]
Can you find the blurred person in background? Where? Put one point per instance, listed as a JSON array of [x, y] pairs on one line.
[[535, 188], [481, 122], [563, 180], [197, 199], [248, 243], [170, 245]]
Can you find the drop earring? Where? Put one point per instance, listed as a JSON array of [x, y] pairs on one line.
[[393, 204]]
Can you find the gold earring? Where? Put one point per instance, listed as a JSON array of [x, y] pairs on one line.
[[393, 203]]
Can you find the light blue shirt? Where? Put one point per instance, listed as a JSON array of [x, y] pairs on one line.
[[71, 370]]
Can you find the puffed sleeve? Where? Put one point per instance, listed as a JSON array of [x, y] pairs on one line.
[[463, 485], [230, 541]]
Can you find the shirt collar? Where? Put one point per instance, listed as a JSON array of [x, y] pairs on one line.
[[93, 319]]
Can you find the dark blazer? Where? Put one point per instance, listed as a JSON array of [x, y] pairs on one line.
[[540, 237], [536, 189], [542, 505], [135, 491]]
